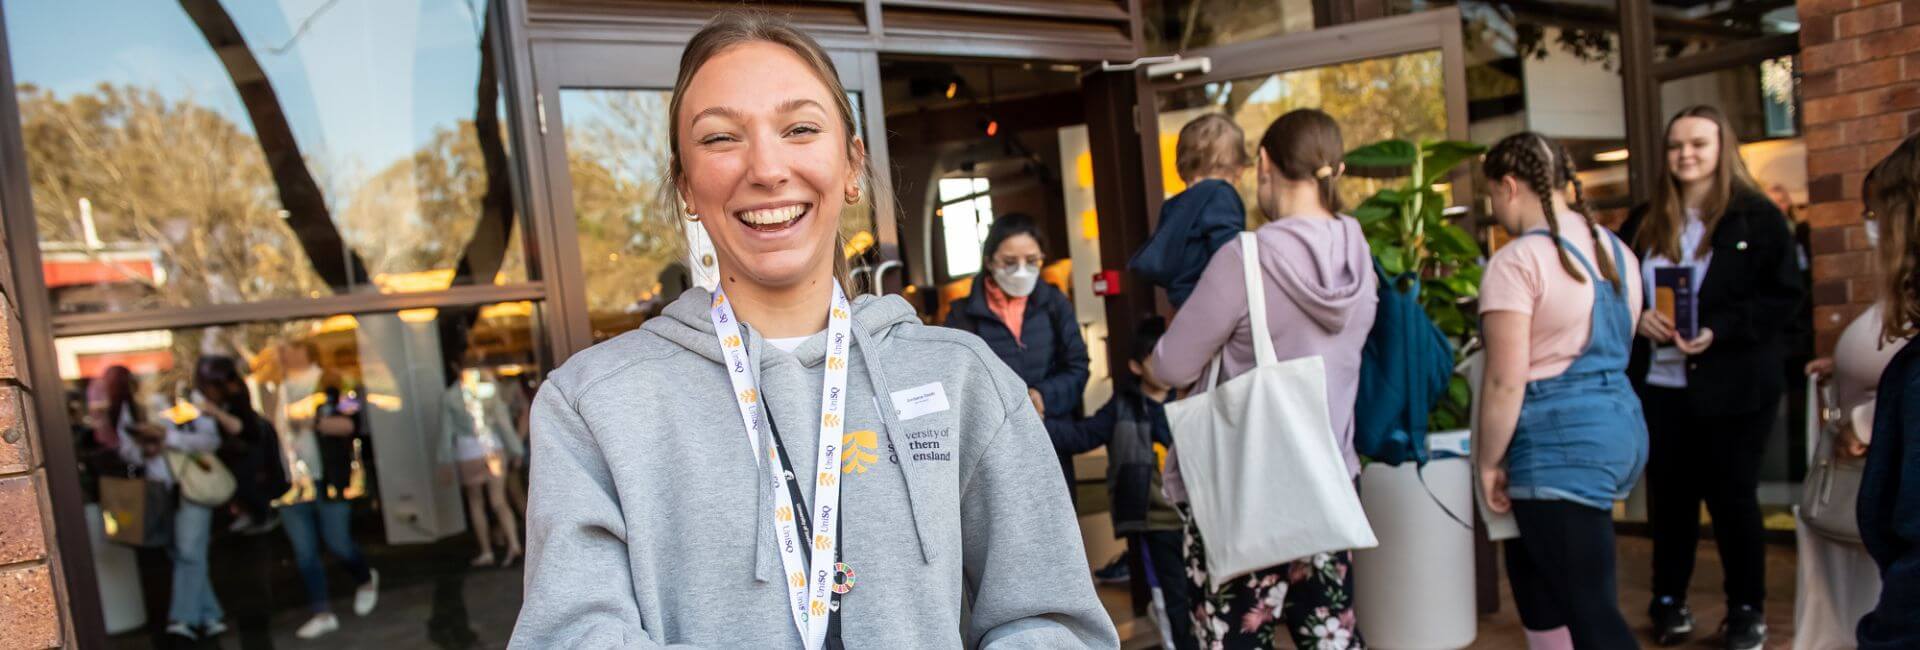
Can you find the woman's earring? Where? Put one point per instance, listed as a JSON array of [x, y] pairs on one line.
[[691, 216], [853, 196]]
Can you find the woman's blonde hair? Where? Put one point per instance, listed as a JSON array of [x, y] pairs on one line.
[[1660, 229], [1892, 194], [1210, 145], [740, 27]]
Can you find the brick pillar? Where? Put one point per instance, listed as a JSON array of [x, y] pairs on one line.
[[30, 611], [1861, 97]]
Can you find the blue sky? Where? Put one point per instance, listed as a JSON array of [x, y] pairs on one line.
[[365, 85]]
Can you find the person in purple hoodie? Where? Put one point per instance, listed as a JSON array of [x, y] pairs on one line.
[[1321, 299]]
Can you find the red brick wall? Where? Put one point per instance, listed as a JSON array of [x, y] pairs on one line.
[[30, 614], [1860, 96]]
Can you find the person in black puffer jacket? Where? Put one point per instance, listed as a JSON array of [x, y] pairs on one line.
[[1029, 324]]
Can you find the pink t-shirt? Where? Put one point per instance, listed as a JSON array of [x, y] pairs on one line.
[[1526, 277]]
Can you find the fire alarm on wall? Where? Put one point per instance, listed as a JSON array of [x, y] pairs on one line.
[[1106, 283]]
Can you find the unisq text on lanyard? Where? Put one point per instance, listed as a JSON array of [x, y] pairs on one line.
[[810, 585]]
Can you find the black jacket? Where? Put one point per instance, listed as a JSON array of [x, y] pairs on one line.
[[1748, 298], [1889, 506], [1128, 426], [1050, 356], [1193, 224]]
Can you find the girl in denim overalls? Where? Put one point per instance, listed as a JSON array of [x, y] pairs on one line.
[[1561, 435]]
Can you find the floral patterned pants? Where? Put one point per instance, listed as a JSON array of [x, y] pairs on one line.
[[1310, 600]]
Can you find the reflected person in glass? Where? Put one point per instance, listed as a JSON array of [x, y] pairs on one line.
[[317, 431], [479, 444]]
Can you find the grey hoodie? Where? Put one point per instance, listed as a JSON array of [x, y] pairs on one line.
[[1321, 297], [648, 524]]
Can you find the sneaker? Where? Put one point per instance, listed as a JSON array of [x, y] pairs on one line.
[[367, 595], [213, 629], [1745, 629], [263, 526], [1114, 572], [320, 625], [182, 630], [1672, 621], [241, 524]]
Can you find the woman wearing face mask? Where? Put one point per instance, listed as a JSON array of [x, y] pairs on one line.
[[1710, 398], [1027, 323], [1838, 581], [774, 466], [1561, 437], [1889, 491], [1321, 299]]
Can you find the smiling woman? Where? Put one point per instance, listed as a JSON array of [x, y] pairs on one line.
[[689, 529]]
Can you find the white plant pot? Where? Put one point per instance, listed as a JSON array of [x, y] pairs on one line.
[[1416, 590]]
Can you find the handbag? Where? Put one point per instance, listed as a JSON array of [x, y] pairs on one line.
[[1264, 476], [1832, 490], [136, 511], [203, 479]]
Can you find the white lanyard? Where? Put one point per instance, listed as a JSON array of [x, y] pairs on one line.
[[806, 598]]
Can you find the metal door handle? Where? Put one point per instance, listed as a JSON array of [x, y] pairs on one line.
[[879, 272]]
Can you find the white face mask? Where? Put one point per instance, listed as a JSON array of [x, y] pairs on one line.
[[1017, 281], [1873, 233]]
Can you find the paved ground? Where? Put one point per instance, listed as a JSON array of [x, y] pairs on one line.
[[492, 597]]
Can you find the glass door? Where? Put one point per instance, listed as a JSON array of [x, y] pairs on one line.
[[619, 253]]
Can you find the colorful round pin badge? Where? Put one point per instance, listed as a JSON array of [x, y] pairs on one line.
[[843, 578]]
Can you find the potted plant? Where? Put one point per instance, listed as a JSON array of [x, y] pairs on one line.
[[1417, 588]]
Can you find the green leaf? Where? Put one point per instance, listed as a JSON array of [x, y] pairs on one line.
[[1450, 320], [1441, 157], [1452, 241], [1394, 258], [1459, 391], [1386, 153]]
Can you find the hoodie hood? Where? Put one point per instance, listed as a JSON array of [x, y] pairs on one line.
[[688, 322], [1325, 267]]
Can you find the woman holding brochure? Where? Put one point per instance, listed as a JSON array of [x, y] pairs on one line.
[[1722, 281]]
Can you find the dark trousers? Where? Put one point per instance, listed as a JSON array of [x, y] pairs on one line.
[[1161, 550], [1562, 571], [1713, 459]]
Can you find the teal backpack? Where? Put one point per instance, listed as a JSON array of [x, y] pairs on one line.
[[1404, 371]]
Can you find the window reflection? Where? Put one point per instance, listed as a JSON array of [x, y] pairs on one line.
[[395, 444], [316, 148], [1375, 99]]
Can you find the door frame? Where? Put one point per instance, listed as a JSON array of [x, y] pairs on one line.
[[1437, 29], [560, 59]]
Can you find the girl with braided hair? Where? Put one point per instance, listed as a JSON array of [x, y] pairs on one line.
[[1710, 396], [1561, 436]]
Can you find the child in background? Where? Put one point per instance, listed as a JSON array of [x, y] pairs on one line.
[[1210, 155], [1133, 428]]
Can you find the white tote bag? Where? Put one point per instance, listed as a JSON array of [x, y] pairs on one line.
[[1264, 475]]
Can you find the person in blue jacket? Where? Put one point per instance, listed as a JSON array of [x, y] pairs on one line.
[[1889, 505], [1211, 153], [1029, 324]]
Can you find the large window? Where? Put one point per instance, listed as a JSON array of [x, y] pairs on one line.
[[396, 478], [1375, 99], [322, 148], [965, 214]]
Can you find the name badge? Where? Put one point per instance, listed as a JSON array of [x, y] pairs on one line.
[[920, 400]]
